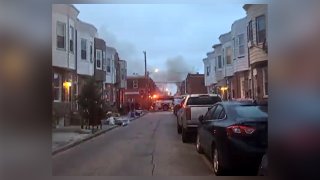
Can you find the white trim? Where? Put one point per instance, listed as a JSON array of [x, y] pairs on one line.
[[99, 51]]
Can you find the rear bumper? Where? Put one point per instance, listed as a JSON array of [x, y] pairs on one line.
[[236, 155]]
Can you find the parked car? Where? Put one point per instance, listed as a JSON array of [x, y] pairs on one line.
[[233, 135], [263, 168], [193, 106]]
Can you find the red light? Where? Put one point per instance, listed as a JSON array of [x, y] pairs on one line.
[[241, 130]]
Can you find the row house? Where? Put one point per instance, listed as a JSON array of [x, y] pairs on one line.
[[193, 84], [121, 79], [240, 81], [210, 78], [241, 58], [110, 82], [139, 90], [64, 60], [78, 55], [256, 22]]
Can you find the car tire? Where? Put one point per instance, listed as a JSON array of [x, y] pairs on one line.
[[184, 135], [198, 145], [216, 162]]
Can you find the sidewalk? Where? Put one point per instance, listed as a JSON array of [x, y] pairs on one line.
[[66, 137]]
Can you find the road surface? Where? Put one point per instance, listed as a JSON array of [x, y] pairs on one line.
[[148, 146]]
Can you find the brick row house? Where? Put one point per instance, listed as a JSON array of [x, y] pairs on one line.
[[78, 54], [237, 68], [193, 84], [139, 90]]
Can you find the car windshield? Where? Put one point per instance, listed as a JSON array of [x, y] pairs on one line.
[[251, 111], [203, 100]]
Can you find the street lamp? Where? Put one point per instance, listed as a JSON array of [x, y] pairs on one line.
[[156, 70]]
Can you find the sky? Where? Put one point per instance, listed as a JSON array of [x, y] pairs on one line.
[[176, 37]]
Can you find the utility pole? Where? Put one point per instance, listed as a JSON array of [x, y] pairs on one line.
[[145, 63]]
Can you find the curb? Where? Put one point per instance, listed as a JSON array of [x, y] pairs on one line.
[[70, 145]]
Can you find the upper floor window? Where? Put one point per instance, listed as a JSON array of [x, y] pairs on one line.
[[71, 39], [83, 49], [108, 65], [99, 59], [228, 55], [91, 52], [208, 70], [135, 84], [261, 28], [249, 31], [219, 62], [241, 44], [104, 60], [61, 35]]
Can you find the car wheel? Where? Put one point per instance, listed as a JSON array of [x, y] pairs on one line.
[[198, 145], [184, 136], [216, 162]]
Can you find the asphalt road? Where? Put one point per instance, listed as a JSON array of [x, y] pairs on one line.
[[148, 146]]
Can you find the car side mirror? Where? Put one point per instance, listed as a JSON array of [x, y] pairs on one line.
[[201, 118]]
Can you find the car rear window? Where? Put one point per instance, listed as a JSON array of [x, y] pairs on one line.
[[203, 100], [251, 111]]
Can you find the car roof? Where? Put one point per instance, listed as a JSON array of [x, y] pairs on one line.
[[198, 95]]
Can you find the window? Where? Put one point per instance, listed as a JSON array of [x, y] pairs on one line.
[[261, 29], [234, 48], [265, 81], [203, 100], [84, 49], [61, 35], [208, 70], [99, 59], [241, 44], [91, 50], [123, 73], [219, 62], [249, 31], [217, 112], [104, 60], [135, 84], [71, 39], [108, 65], [251, 111], [209, 114], [57, 87], [228, 55], [222, 114]]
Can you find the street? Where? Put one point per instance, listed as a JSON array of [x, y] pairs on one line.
[[148, 146]]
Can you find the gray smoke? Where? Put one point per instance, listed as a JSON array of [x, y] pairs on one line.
[[127, 51], [176, 70]]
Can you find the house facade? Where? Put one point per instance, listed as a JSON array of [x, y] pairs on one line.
[[85, 56], [110, 82], [194, 84], [100, 66], [139, 89], [64, 58], [121, 80], [227, 69], [257, 18], [240, 81], [210, 68]]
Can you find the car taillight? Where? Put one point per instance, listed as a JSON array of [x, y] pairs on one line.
[[188, 112], [240, 130]]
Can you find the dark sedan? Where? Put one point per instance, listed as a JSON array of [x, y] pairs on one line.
[[233, 135]]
